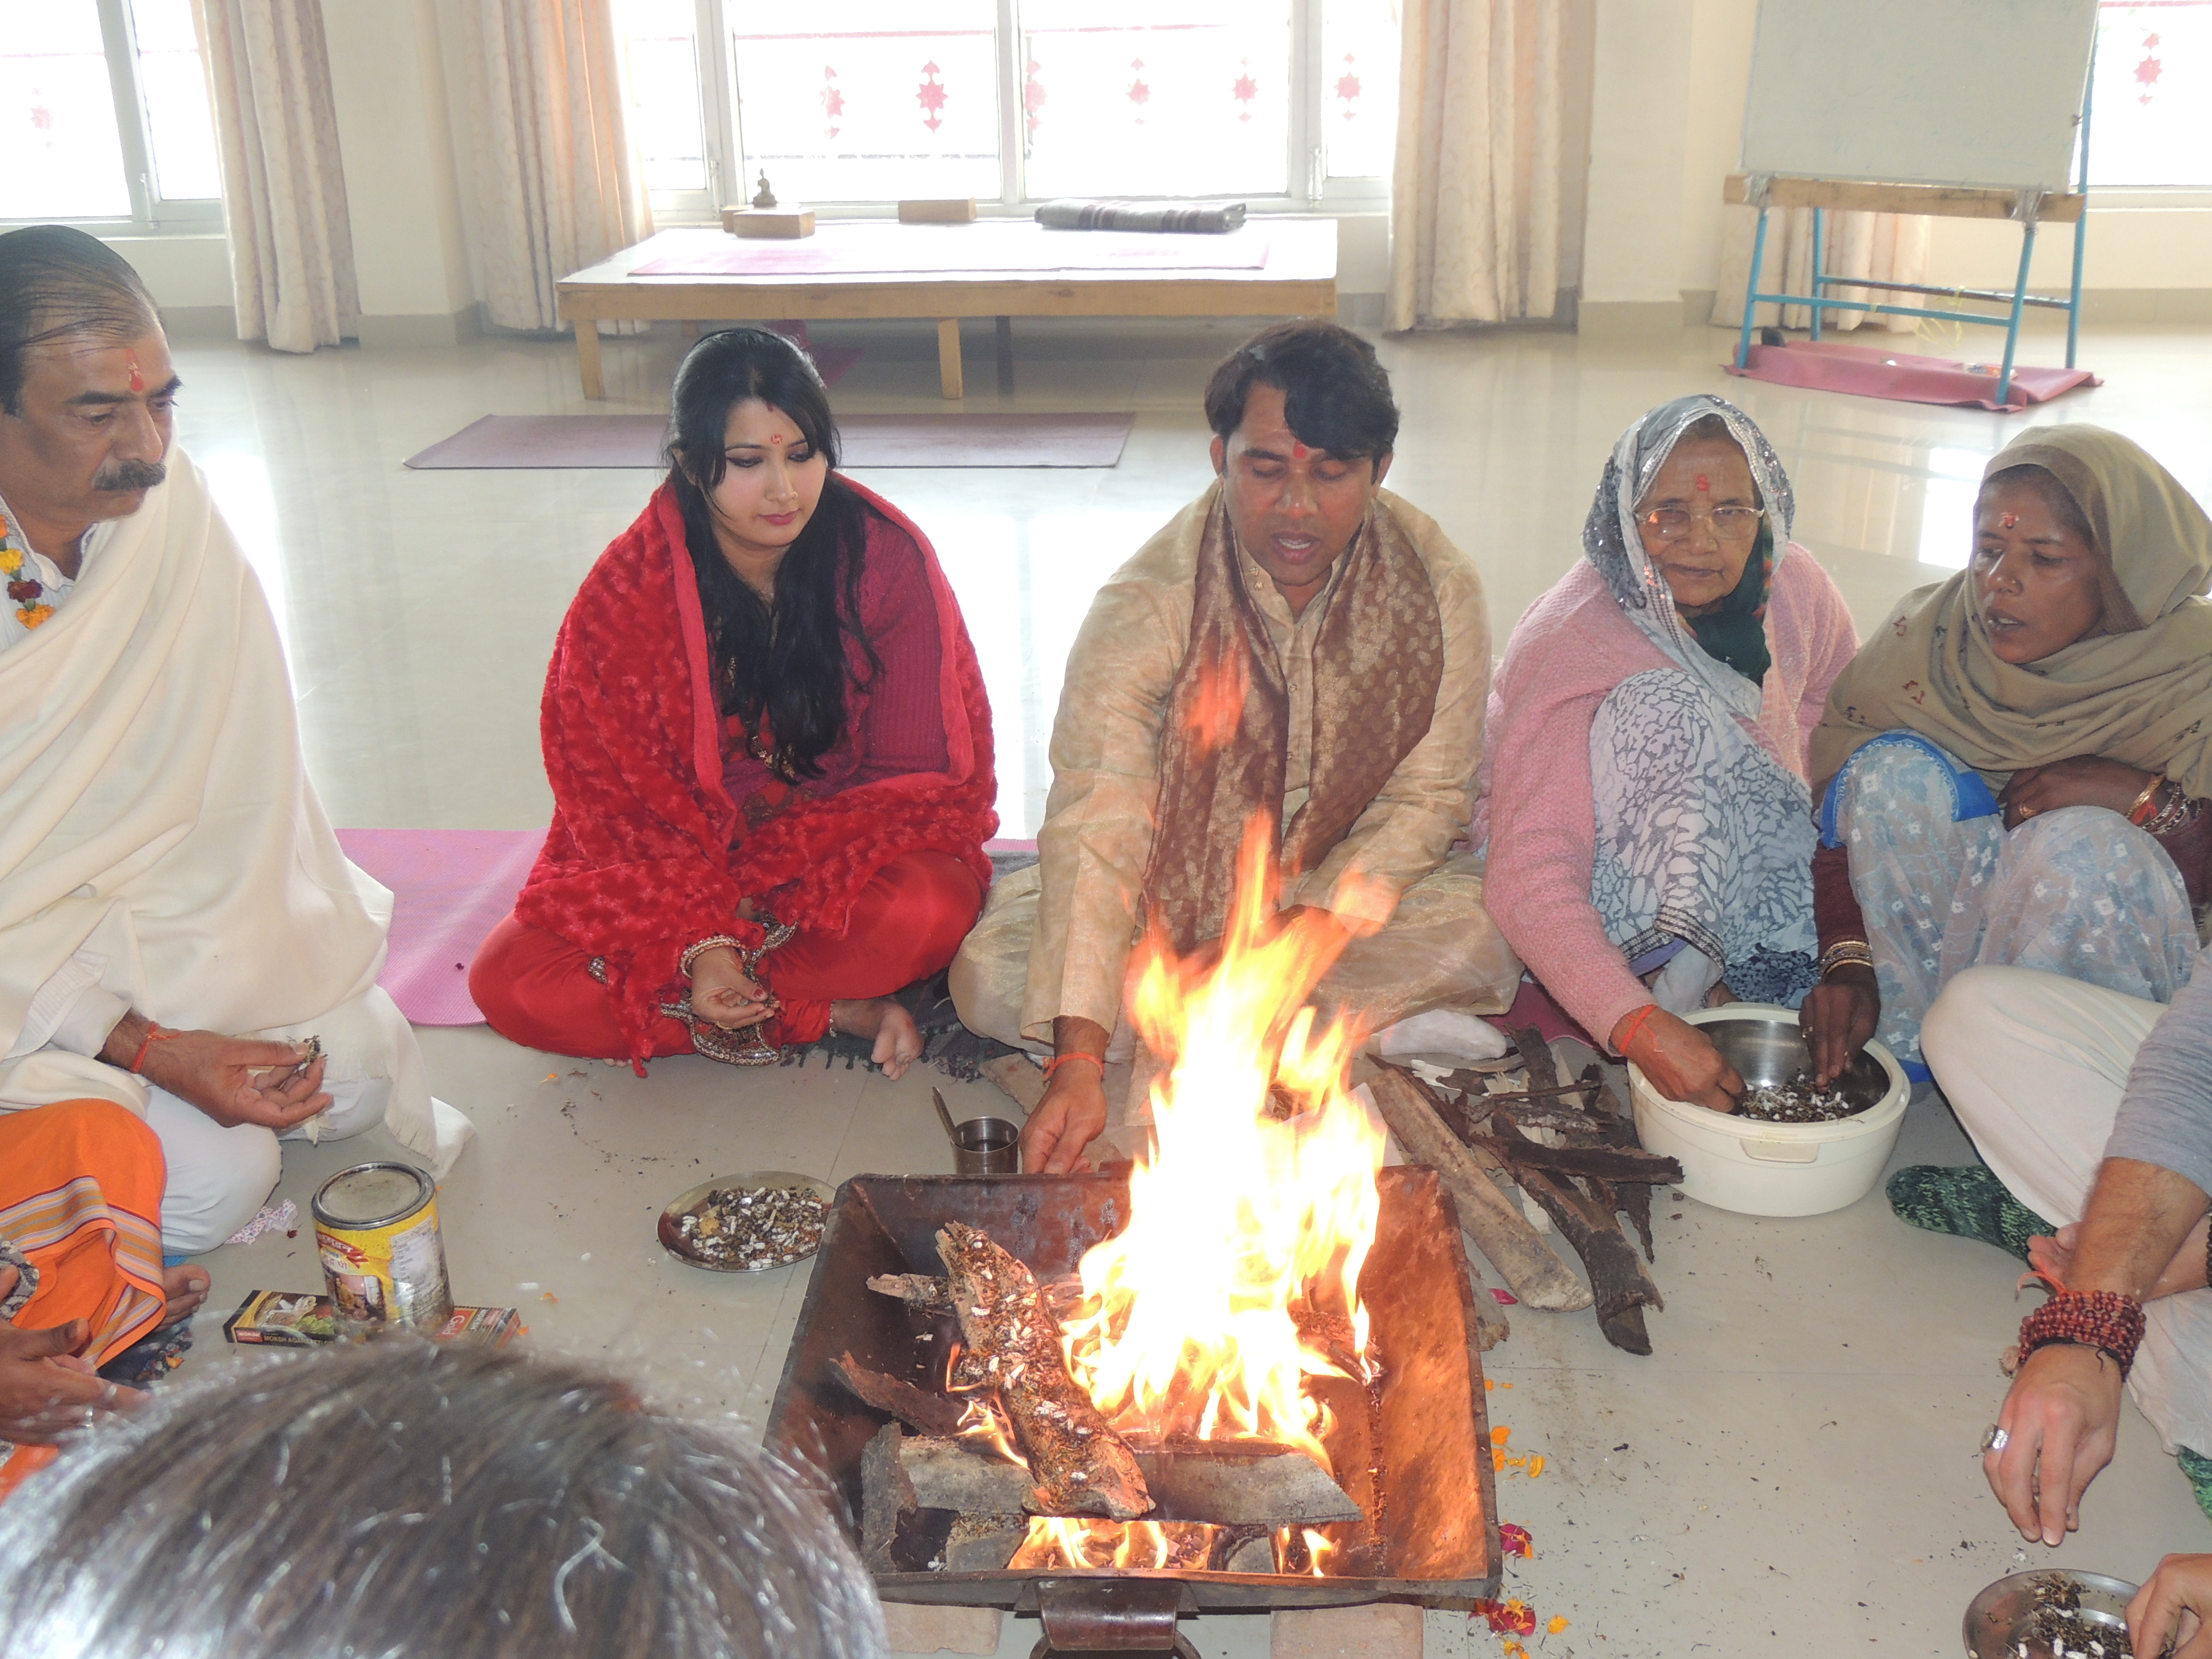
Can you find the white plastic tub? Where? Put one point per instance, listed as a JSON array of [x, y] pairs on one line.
[[1771, 1169]]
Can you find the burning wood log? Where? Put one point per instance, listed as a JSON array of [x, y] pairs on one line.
[[1531, 1271], [1622, 1289], [1080, 1465], [923, 1412], [1227, 1482]]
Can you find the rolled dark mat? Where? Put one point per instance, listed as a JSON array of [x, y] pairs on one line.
[[1073, 214]]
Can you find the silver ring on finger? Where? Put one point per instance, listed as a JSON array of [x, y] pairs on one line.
[[1995, 1440]]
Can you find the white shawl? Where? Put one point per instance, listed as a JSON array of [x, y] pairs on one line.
[[154, 816]]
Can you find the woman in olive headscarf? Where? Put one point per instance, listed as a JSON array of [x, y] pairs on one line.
[[2013, 769]]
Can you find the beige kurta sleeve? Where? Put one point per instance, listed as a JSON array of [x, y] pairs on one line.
[[1098, 834], [1408, 828]]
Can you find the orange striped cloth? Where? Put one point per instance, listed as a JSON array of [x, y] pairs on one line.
[[81, 1198]]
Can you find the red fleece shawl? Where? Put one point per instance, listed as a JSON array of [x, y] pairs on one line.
[[639, 862]]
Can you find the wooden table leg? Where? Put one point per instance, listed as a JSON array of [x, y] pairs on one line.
[[587, 357], [948, 358]]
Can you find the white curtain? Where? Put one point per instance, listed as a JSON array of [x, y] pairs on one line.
[[283, 188], [1476, 189], [1890, 248], [554, 177]]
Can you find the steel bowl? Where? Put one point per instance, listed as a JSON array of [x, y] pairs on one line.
[[1769, 1051], [672, 1233], [1997, 1618]]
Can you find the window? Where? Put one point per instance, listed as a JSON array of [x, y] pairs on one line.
[[1012, 102], [105, 116], [2150, 108]]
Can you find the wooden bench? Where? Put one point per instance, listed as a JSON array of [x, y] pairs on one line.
[[1296, 276]]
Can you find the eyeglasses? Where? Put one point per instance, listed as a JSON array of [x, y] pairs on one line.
[[1730, 524]]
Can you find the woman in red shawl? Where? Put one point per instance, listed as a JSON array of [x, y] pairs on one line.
[[769, 749]]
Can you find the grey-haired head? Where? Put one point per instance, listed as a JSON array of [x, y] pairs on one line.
[[55, 282], [404, 1499]]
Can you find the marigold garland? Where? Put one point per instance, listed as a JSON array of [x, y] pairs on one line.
[[28, 591]]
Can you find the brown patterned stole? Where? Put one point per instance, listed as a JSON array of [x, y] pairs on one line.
[[1378, 660]]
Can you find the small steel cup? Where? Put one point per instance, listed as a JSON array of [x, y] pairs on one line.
[[987, 1146]]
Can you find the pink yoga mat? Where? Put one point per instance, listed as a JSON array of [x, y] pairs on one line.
[[870, 249], [924, 440], [1870, 372], [450, 888]]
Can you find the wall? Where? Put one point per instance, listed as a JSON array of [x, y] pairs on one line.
[[1668, 114]]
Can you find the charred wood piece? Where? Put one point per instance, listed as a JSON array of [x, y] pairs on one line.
[[1080, 1466], [984, 1543], [1610, 1164], [922, 1290], [919, 1409], [1623, 1290]]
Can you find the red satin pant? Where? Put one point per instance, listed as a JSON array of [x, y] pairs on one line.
[[534, 988]]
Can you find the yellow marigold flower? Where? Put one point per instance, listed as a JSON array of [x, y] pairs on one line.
[[34, 615], [1500, 1436], [1535, 1465], [1559, 1623]]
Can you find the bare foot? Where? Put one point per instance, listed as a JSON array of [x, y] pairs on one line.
[[186, 1287], [2054, 1257], [898, 1039], [1720, 996]]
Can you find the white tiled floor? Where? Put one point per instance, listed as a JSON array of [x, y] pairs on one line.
[[1792, 1471]]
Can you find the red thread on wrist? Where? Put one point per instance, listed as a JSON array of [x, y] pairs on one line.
[[1059, 1061], [154, 1034], [1637, 1023]]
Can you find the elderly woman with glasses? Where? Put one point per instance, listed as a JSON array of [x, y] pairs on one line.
[[1648, 826]]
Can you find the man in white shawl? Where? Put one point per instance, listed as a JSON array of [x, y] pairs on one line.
[[180, 931]]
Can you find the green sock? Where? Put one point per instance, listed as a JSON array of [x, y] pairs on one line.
[[2199, 1471], [1969, 1201]]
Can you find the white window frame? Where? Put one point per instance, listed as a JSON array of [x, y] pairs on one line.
[[151, 214], [1305, 164]]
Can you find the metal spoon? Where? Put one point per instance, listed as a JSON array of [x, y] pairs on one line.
[[944, 1117]]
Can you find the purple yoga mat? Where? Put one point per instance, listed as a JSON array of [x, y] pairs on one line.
[[450, 888], [868, 440], [1870, 372]]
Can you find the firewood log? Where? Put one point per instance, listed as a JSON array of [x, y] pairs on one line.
[[1610, 1164], [1080, 1465], [1531, 1271], [1621, 1287]]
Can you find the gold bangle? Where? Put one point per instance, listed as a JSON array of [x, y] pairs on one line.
[[2136, 812]]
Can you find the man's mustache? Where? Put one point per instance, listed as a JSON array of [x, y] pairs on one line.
[[130, 474]]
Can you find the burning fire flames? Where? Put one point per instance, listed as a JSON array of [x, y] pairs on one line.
[[1204, 1317]]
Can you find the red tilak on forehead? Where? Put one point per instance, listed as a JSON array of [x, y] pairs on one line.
[[776, 438], [2010, 519], [1705, 485], [1300, 450], [137, 380]]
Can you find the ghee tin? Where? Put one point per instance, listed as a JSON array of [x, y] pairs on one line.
[[376, 1229]]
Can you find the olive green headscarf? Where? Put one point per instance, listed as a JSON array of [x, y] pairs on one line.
[[2138, 689]]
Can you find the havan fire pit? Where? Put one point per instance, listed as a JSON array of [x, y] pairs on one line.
[[1417, 1445]]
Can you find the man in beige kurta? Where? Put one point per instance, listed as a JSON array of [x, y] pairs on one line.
[[1046, 965]]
